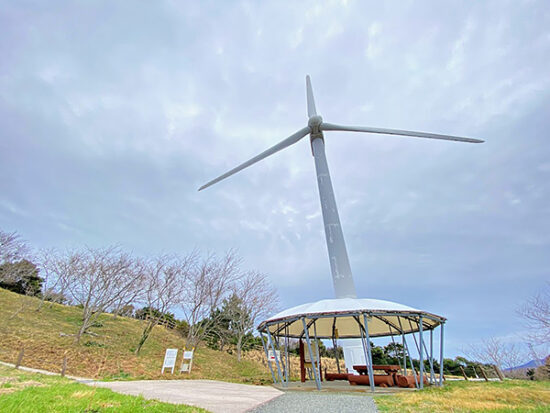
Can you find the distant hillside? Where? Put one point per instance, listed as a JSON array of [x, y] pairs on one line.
[[529, 365], [108, 352]]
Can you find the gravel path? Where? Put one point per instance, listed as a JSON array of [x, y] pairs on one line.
[[318, 402]]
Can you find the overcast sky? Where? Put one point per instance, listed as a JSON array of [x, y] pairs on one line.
[[112, 114]]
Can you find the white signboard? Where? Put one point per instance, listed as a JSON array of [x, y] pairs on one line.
[[170, 359], [353, 353], [187, 361], [272, 356]]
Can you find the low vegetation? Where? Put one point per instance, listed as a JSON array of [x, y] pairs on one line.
[[107, 353], [461, 396], [111, 280], [29, 392]]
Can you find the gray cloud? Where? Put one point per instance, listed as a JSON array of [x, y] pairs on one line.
[[112, 115]]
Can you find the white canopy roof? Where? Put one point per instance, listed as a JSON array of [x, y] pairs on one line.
[[341, 317]]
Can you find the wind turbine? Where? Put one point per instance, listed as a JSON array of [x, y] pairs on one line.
[[342, 278]]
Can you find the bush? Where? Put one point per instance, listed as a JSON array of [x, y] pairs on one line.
[[21, 277]]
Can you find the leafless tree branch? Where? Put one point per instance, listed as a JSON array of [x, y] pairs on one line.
[[209, 283], [12, 250], [97, 279], [255, 298], [165, 285], [536, 314], [495, 351]]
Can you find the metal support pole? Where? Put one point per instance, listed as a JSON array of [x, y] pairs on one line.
[[404, 354], [276, 358], [335, 345], [421, 334], [281, 349], [365, 351], [318, 350], [432, 373], [369, 366], [287, 361], [428, 357], [414, 337], [403, 344], [441, 355], [267, 357], [281, 357], [411, 361], [277, 347], [315, 373]]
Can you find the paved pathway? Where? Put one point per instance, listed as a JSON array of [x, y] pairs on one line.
[[216, 396], [305, 402], [222, 397]]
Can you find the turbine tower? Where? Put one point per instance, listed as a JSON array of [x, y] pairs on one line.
[[342, 278]]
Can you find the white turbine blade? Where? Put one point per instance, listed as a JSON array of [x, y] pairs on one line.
[[276, 148], [330, 126], [311, 111]]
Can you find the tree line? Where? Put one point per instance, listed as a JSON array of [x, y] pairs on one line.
[[220, 302], [210, 290], [393, 353]]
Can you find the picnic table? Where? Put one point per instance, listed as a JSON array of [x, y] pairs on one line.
[[388, 368]]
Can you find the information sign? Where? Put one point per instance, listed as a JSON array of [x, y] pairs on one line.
[[272, 356], [170, 359], [187, 362]]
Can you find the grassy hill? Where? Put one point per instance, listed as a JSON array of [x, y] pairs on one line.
[[108, 352]]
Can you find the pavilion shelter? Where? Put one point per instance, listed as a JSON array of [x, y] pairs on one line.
[[353, 318]]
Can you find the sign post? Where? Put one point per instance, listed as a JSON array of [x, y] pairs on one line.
[[187, 361], [169, 359]]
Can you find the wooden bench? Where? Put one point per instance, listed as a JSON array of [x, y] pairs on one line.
[[387, 368]]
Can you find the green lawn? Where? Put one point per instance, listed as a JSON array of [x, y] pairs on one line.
[[507, 396], [29, 392]]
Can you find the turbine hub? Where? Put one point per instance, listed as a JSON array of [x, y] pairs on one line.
[[314, 123]]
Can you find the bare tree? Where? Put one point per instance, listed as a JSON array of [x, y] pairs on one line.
[[96, 279], [53, 286], [542, 372], [165, 284], [536, 314], [207, 285], [12, 250], [12, 247], [503, 356], [128, 296], [17, 272], [253, 298], [541, 358]]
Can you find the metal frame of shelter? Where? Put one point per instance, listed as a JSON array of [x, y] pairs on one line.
[[313, 326]]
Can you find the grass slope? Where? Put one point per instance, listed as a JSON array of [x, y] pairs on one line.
[[109, 355], [29, 392], [507, 396]]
